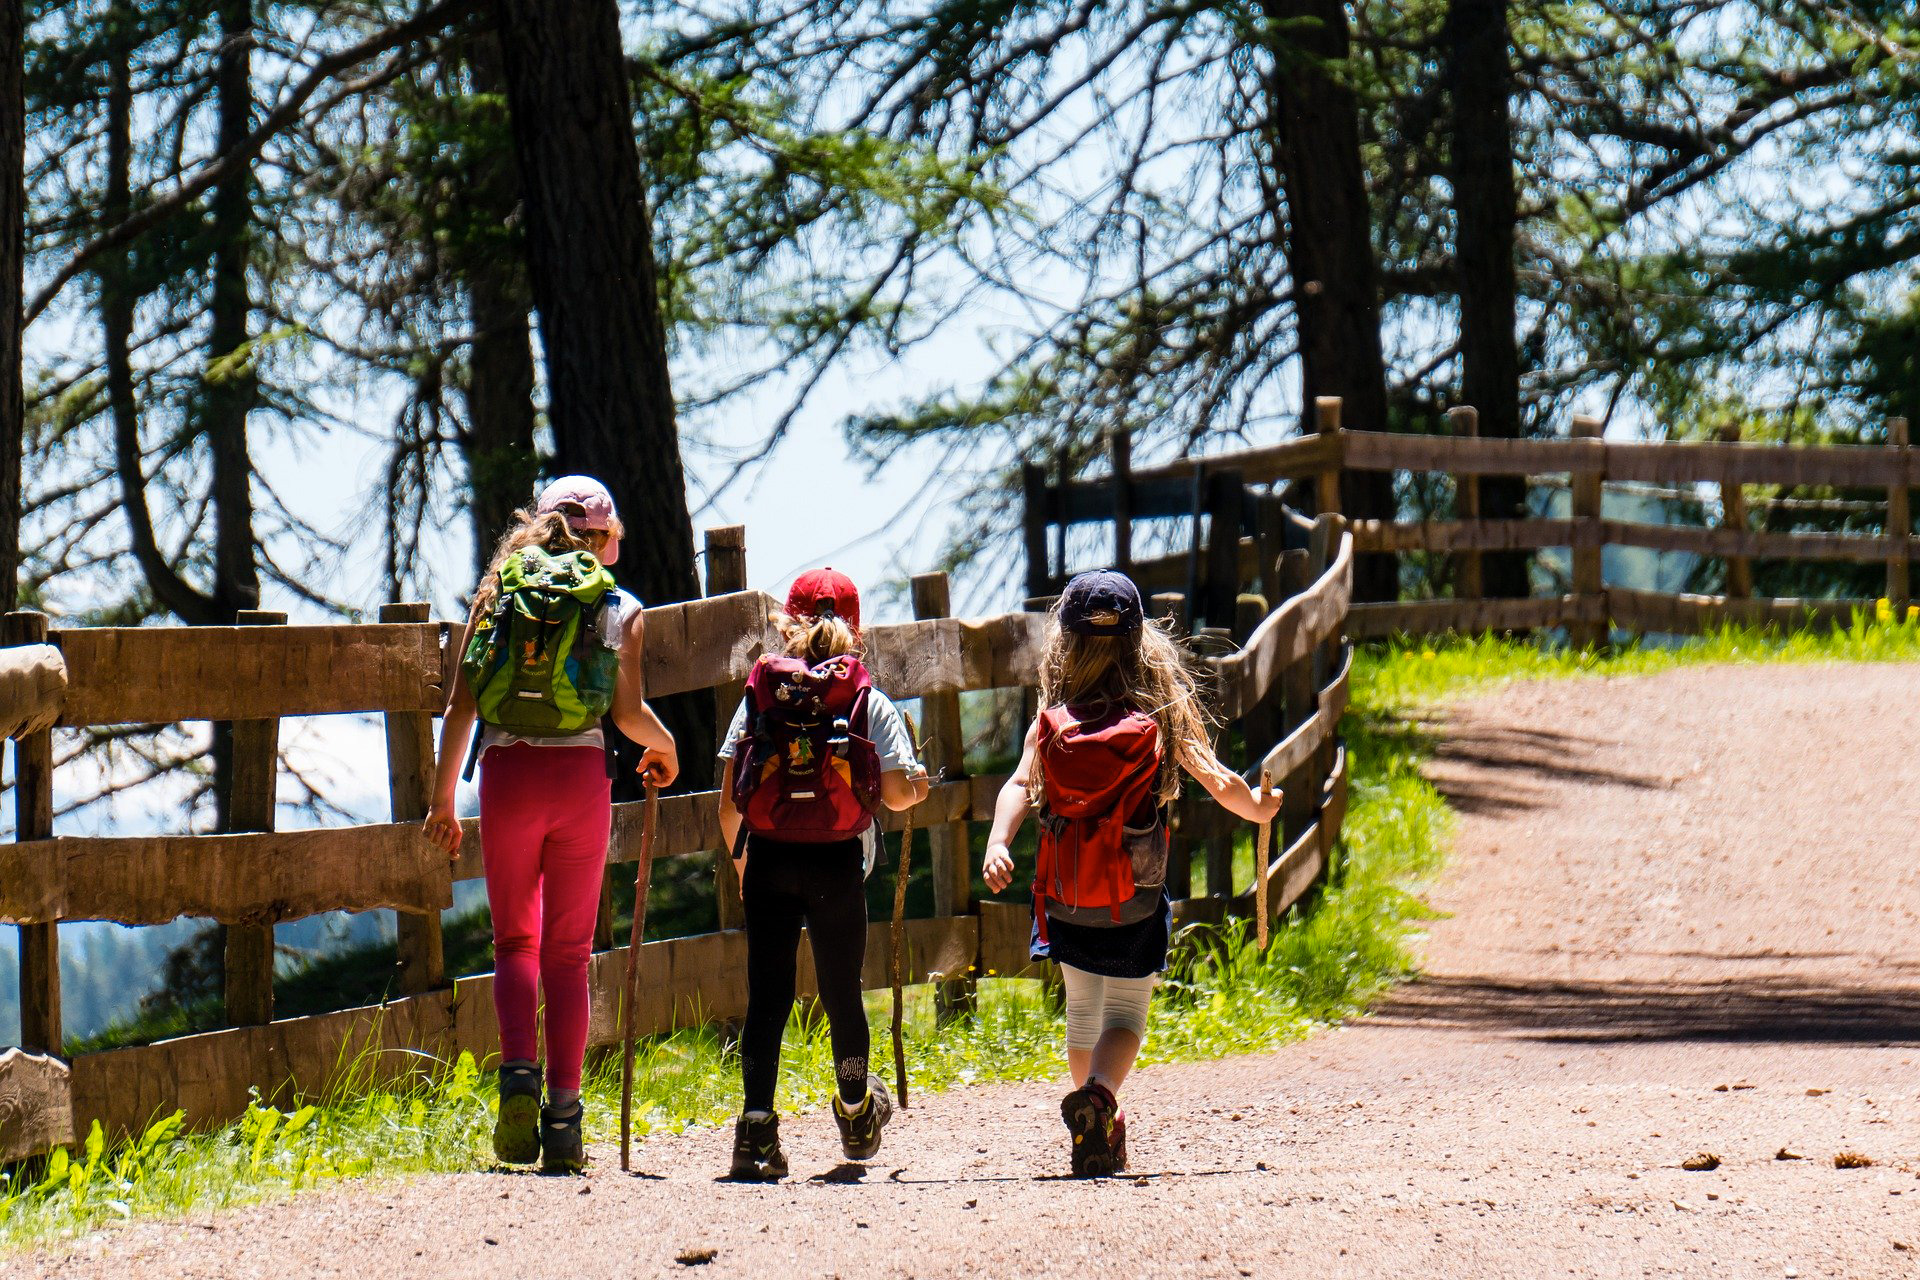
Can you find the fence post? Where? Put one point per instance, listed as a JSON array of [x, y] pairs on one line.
[[1033, 529], [250, 807], [1120, 451], [1733, 515], [1298, 700], [1469, 583], [1326, 481], [1215, 641], [946, 761], [1899, 521], [40, 1022], [726, 573], [1226, 496], [1586, 484], [421, 957]]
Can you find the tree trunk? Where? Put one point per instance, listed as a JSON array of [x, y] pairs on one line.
[[117, 303], [501, 466], [231, 383], [590, 247], [1480, 76], [590, 252], [13, 426], [1316, 122]]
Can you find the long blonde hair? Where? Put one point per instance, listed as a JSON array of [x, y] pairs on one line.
[[1147, 671], [549, 531], [815, 639]]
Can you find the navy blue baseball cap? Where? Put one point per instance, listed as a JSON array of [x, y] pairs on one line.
[[1102, 602]]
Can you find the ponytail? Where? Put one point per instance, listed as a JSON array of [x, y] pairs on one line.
[[816, 639]]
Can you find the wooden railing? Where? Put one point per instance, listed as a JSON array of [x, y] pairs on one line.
[[1234, 503], [1283, 691]]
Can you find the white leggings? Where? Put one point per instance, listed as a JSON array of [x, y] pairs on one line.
[[1096, 1004]]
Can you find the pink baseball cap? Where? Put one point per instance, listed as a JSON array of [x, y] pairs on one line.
[[587, 506]]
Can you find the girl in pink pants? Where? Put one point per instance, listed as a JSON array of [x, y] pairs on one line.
[[545, 807]]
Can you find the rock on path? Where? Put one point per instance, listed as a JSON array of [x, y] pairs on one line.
[[1683, 920]]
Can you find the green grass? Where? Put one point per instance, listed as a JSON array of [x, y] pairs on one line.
[[1220, 996]]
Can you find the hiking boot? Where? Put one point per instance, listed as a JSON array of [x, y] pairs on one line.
[[860, 1126], [1092, 1119], [516, 1130], [756, 1149], [562, 1150]]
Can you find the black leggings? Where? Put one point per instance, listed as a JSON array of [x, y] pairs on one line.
[[821, 886]]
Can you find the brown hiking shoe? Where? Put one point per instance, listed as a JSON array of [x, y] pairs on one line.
[[756, 1149], [860, 1126]]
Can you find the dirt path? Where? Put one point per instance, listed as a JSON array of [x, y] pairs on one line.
[[1663, 886]]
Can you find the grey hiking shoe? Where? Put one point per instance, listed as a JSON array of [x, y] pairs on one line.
[[756, 1149], [860, 1125], [516, 1130], [562, 1150]]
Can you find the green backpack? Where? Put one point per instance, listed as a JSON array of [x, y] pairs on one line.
[[537, 664]]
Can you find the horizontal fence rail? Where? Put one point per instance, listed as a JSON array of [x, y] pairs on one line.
[[1233, 537], [1284, 683]]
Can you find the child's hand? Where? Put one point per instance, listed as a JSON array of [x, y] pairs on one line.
[[998, 867], [443, 828], [1268, 803], [660, 767]]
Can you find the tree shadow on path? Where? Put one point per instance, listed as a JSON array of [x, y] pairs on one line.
[[1747, 1011]]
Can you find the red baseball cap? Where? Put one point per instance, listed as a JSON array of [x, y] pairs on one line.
[[818, 592], [587, 506]]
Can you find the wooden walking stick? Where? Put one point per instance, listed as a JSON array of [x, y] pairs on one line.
[[899, 958], [1263, 847], [642, 879], [899, 965]]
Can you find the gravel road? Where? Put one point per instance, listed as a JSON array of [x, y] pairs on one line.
[[1680, 921]]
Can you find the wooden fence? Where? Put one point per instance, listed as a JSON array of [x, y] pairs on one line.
[[1284, 690], [1238, 520]]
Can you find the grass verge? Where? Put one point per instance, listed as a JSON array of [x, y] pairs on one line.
[[1219, 997]]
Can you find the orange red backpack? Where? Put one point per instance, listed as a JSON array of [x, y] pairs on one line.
[[1103, 843]]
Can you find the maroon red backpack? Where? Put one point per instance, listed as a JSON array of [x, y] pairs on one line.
[[1103, 845], [807, 770]]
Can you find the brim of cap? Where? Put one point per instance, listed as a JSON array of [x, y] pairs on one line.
[[1123, 627], [608, 553]]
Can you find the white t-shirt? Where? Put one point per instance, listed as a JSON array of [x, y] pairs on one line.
[[613, 627]]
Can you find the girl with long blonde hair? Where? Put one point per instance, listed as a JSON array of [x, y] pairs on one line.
[[551, 645], [1121, 721]]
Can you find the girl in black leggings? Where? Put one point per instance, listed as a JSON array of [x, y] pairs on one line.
[[787, 885]]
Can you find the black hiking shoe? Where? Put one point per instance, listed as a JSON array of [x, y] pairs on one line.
[[562, 1150], [516, 1130], [860, 1126], [1099, 1135], [756, 1150]]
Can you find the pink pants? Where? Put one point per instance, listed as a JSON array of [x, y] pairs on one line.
[[545, 813]]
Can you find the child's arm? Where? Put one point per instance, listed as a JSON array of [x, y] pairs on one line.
[[1009, 811], [906, 786], [456, 731], [636, 719], [729, 815], [1228, 789]]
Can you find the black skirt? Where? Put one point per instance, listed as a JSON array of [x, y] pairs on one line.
[[1135, 950]]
